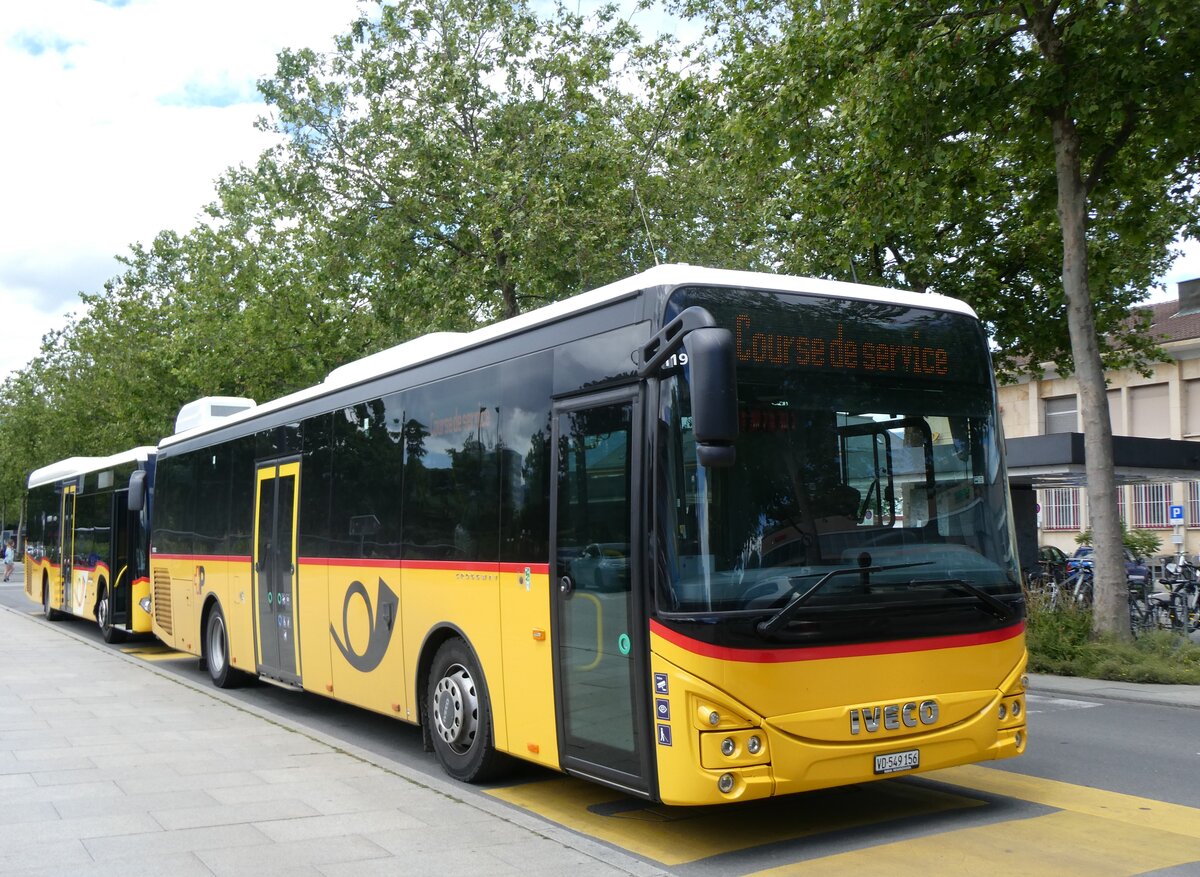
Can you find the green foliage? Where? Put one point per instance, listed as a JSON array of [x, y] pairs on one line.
[[449, 163], [1062, 642], [1143, 543], [913, 145]]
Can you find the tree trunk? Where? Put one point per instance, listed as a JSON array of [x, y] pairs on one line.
[[1111, 611]]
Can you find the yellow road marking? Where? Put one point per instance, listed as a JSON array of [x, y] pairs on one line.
[[675, 835], [1043, 846], [156, 653], [1096, 832], [1142, 813]]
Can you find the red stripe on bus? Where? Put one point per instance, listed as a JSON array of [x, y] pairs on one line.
[[448, 565], [816, 653]]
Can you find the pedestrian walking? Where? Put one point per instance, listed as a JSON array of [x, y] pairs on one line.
[[10, 557]]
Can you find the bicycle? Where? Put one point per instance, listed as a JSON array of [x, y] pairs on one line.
[[1177, 608], [1142, 615], [1044, 586]]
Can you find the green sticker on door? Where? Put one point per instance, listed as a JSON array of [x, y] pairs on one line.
[[623, 643]]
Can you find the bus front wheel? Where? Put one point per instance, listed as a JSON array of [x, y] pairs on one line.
[[216, 651], [460, 715]]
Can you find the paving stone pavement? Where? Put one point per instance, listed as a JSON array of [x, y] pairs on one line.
[[109, 766]]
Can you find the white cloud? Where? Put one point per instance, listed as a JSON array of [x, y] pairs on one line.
[[120, 114], [119, 117]]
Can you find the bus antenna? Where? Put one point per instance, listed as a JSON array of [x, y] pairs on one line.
[[646, 225]]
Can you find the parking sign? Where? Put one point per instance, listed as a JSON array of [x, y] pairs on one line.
[[1176, 514]]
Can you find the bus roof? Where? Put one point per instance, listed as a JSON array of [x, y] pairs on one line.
[[438, 344], [73, 467]]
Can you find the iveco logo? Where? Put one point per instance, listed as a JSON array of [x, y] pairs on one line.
[[893, 715]]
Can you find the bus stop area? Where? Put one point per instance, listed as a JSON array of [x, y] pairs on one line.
[[110, 766]]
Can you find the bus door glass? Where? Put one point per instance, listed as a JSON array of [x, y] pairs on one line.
[[66, 548], [275, 569], [121, 590], [599, 637]]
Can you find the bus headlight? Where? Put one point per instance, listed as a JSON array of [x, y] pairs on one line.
[[145, 604], [728, 747], [754, 745], [725, 783]]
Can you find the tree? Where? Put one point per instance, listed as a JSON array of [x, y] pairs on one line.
[[504, 160], [1034, 158], [449, 163]]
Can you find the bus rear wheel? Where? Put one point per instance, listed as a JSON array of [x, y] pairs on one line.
[[50, 614], [460, 715], [104, 618], [216, 651]]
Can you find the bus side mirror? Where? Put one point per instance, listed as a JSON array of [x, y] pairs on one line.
[[137, 490], [713, 377]]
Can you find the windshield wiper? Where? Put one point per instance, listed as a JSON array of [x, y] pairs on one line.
[[997, 606], [781, 617]]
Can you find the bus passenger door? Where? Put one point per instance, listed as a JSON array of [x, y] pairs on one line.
[[66, 548], [120, 588], [600, 657], [275, 514]]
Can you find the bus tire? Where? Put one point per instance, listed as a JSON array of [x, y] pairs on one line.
[[216, 651], [50, 614], [460, 715], [104, 617]]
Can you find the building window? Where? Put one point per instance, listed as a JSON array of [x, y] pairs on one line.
[[1149, 414], [1116, 417], [1151, 505], [1191, 401], [1060, 508], [1193, 504], [1061, 415]]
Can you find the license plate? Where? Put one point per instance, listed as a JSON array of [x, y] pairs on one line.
[[894, 762]]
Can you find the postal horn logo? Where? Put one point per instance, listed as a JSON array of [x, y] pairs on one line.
[[380, 625]]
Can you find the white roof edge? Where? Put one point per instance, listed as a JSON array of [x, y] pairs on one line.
[[428, 347], [72, 467]]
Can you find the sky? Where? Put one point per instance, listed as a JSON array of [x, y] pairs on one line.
[[120, 115]]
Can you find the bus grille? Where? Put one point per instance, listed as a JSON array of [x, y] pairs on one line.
[[162, 600]]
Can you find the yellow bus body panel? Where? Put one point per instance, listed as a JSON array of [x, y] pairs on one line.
[[528, 675], [799, 713]]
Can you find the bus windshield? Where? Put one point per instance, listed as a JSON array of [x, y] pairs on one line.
[[868, 499]]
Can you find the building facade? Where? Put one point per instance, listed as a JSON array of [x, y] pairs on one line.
[[1165, 405]]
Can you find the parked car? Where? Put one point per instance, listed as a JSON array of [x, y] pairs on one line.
[[1136, 571], [1052, 561], [602, 566]]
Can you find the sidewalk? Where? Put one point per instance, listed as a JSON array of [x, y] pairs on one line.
[[108, 766], [1075, 686]]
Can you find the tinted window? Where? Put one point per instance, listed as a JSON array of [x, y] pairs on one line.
[[452, 469], [524, 453], [367, 479], [241, 493], [212, 511], [317, 488], [175, 505]]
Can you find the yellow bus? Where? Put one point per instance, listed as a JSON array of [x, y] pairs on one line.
[[87, 540], [699, 535]]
